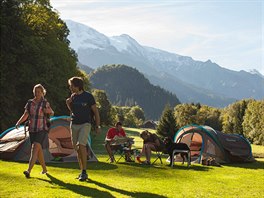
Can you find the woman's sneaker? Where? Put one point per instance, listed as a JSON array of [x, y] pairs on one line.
[[26, 173]]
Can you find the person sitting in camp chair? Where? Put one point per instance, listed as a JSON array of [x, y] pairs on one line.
[[151, 142], [116, 139]]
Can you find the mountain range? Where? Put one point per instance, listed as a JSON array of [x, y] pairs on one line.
[[191, 80]]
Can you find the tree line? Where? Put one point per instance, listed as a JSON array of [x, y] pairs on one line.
[[244, 117]]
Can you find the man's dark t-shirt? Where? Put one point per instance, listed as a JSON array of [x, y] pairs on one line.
[[81, 108]]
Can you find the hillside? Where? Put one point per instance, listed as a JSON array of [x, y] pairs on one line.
[[127, 86], [191, 80]]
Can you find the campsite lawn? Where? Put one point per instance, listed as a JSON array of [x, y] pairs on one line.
[[133, 179]]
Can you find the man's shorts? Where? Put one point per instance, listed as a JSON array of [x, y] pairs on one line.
[[80, 134]]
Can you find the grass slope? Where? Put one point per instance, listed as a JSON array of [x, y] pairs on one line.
[[133, 179]]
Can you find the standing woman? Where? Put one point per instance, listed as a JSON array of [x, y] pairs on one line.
[[37, 110]]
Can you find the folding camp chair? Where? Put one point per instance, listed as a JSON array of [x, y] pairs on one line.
[[121, 153], [159, 154], [122, 147]]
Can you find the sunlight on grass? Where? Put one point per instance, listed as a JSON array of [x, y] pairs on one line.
[[257, 150], [133, 179]]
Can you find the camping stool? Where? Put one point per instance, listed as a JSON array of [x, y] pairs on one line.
[[158, 156], [182, 151]]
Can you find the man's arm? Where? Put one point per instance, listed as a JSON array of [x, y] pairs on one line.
[[97, 118]]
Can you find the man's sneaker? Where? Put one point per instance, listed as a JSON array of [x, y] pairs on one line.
[[83, 177]]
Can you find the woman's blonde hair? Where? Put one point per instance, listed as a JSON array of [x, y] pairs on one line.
[[40, 87]]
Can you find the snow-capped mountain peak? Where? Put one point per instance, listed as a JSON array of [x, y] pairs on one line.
[[85, 37], [254, 71], [126, 43]]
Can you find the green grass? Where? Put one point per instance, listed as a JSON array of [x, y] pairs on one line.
[[133, 179], [258, 151]]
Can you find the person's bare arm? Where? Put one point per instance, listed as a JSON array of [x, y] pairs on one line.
[[68, 103], [48, 110], [22, 119], [157, 143], [97, 118]]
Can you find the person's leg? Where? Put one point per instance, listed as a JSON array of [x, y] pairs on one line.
[[84, 132], [149, 148], [141, 153], [128, 153], [33, 157], [77, 148], [41, 159], [83, 156], [109, 151], [74, 138]]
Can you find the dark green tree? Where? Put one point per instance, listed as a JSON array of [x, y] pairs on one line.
[[104, 106], [117, 114], [34, 49], [233, 117], [209, 116], [253, 124], [167, 125], [186, 114], [135, 116]]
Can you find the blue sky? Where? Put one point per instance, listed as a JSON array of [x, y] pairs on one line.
[[229, 33]]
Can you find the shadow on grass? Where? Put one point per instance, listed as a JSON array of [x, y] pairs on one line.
[[124, 192], [90, 165], [93, 192], [78, 189], [192, 167], [249, 165], [166, 166]]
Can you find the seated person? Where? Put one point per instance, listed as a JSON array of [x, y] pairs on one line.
[[116, 139], [151, 142]]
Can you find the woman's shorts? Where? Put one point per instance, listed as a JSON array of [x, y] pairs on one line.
[[40, 137]]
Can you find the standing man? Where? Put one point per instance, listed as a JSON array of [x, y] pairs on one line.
[[82, 107]]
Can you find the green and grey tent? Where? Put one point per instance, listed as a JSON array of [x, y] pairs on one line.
[[205, 142], [15, 144]]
